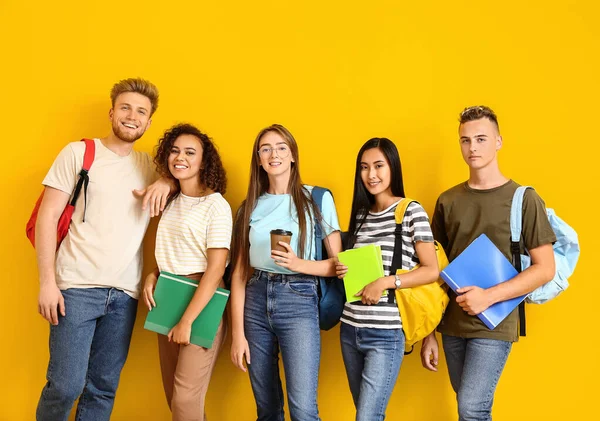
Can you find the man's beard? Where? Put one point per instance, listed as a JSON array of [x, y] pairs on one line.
[[125, 135]]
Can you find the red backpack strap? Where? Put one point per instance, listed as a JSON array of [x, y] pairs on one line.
[[90, 153], [83, 181]]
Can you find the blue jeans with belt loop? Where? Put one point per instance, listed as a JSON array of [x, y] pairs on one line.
[[281, 314]]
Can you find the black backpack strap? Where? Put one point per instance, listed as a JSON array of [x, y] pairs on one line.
[[396, 259], [515, 249], [83, 181]]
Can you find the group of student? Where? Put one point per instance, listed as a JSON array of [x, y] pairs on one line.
[[90, 285]]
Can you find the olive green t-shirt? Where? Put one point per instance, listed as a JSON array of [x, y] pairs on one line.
[[461, 215]]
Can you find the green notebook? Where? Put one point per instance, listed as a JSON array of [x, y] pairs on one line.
[[172, 295], [365, 265]]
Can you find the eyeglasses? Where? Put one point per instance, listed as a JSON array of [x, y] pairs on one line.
[[266, 151]]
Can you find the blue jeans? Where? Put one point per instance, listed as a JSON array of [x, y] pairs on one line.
[[281, 313], [88, 349], [475, 366], [372, 358]]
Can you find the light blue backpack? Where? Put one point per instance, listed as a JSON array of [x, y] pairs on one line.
[[566, 250]]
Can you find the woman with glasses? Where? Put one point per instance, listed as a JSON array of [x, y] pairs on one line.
[[275, 307]]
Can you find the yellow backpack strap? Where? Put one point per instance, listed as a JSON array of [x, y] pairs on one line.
[[397, 256], [401, 210]]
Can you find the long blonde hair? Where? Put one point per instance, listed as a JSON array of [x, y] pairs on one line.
[[259, 184]]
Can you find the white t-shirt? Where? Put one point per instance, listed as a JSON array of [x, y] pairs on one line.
[[189, 227], [105, 251]]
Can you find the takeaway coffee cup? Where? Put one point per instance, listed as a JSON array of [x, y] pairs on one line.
[[280, 235]]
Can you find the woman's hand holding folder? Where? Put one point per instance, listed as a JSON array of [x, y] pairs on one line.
[[340, 269], [371, 293], [181, 333]]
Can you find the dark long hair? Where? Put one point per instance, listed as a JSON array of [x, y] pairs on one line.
[[362, 200], [212, 175], [259, 184]]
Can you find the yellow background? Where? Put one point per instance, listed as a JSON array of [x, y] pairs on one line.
[[336, 74]]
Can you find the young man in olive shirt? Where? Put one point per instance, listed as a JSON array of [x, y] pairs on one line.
[[476, 355]]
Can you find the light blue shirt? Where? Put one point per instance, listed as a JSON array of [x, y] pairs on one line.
[[277, 211]]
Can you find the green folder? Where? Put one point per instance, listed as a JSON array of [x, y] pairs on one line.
[[172, 295], [365, 265]]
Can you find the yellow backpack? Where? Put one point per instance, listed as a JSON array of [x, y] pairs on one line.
[[421, 308]]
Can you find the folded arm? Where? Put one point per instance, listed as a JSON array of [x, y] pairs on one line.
[[474, 300]]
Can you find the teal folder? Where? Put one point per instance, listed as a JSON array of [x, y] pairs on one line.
[[365, 265], [172, 295]]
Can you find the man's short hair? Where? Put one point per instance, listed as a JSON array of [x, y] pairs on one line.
[[477, 112], [137, 85]]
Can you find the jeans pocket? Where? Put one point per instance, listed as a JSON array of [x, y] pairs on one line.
[[252, 279], [383, 339], [303, 289]]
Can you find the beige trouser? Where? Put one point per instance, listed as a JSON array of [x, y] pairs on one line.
[[186, 372]]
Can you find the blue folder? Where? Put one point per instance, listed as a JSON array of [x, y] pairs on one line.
[[482, 264]]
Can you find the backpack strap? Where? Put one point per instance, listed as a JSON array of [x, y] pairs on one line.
[[516, 226], [397, 256], [89, 155], [317, 196], [84, 179], [516, 216]]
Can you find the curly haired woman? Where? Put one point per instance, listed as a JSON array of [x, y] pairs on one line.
[[193, 240]]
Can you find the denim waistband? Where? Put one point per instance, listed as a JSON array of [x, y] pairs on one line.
[[284, 277]]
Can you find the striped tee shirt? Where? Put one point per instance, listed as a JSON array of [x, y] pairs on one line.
[[378, 229], [189, 227]]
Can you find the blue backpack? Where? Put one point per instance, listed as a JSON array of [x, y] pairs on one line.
[[566, 250], [332, 296]]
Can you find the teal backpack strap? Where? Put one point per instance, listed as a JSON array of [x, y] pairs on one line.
[[317, 195], [516, 214], [516, 226]]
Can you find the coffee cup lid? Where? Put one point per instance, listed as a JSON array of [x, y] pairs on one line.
[[281, 232]]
